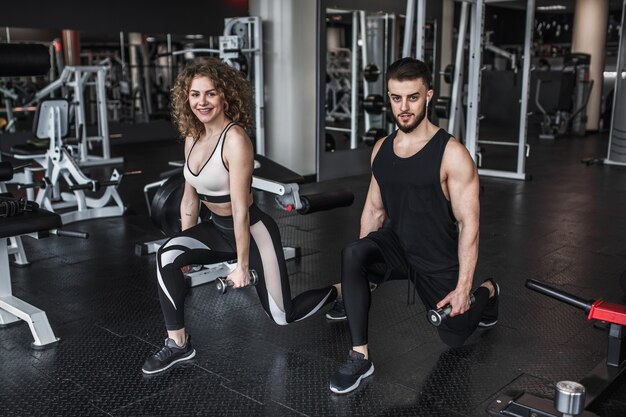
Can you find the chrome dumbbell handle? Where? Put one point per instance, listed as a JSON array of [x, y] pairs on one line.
[[436, 317], [222, 284]]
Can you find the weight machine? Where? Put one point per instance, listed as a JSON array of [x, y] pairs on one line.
[[76, 79], [573, 95], [51, 122], [573, 398], [475, 10]]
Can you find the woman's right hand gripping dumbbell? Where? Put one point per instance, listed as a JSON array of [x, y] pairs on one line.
[[240, 277]]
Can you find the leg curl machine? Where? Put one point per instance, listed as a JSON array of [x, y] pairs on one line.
[[268, 176], [573, 398], [58, 164]]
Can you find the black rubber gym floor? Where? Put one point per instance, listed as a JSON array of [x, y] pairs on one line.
[[566, 227]]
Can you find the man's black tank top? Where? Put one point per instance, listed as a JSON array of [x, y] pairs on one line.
[[419, 213]]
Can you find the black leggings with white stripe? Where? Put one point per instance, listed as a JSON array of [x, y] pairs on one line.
[[213, 241]]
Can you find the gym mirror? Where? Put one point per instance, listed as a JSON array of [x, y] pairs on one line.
[[359, 45]]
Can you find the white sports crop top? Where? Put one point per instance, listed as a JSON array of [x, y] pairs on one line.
[[213, 181]]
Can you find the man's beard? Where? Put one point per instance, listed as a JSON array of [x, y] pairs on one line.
[[411, 126]]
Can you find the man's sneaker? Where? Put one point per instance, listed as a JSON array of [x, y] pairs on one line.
[[490, 315], [337, 312], [349, 376], [168, 356]]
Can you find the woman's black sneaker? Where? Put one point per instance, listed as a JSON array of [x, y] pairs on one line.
[[349, 376], [490, 315], [168, 356], [337, 312]]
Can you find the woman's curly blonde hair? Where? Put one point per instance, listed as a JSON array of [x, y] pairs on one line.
[[230, 84]]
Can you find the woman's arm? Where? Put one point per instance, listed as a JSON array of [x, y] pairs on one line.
[[239, 158], [190, 203]]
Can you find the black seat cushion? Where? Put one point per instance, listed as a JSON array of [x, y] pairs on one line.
[[29, 222]]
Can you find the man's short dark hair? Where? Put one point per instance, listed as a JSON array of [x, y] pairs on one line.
[[405, 69]]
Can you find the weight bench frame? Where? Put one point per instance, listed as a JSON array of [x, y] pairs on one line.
[[13, 309]]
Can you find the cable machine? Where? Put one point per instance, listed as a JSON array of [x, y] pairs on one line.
[[617, 138], [476, 11]]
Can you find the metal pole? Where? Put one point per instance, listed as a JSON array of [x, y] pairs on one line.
[[456, 100], [419, 30], [354, 89], [616, 135], [475, 63], [523, 115], [170, 62], [364, 62], [408, 28], [122, 51], [103, 122], [259, 92]]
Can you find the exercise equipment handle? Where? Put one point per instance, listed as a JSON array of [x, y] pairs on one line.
[[325, 201], [70, 233], [436, 317], [135, 172], [562, 296], [34, 184], [92, 185]]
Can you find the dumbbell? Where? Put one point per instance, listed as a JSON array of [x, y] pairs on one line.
[[436, 317], [222, 284]]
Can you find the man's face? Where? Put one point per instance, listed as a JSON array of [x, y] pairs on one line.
[[408, 102]]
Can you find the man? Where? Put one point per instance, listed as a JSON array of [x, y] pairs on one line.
[[421, 219]]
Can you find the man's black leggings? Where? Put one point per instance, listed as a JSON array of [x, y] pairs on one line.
[[357, 260]]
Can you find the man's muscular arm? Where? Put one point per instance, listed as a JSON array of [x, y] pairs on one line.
[[461, 177], [373, 214]]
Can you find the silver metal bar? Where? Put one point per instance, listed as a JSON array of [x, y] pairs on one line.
[[617, 89], [103, 121], [502, 174], [523, 114], [354, 90], [364, 61], [338, 129], [456, 99], [259, 86], [475, 64], [408, 28], [495, 142], [419, 29], [170, 62], [196, 50]]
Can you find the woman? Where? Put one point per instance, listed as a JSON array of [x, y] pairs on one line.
[[210, 104]]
